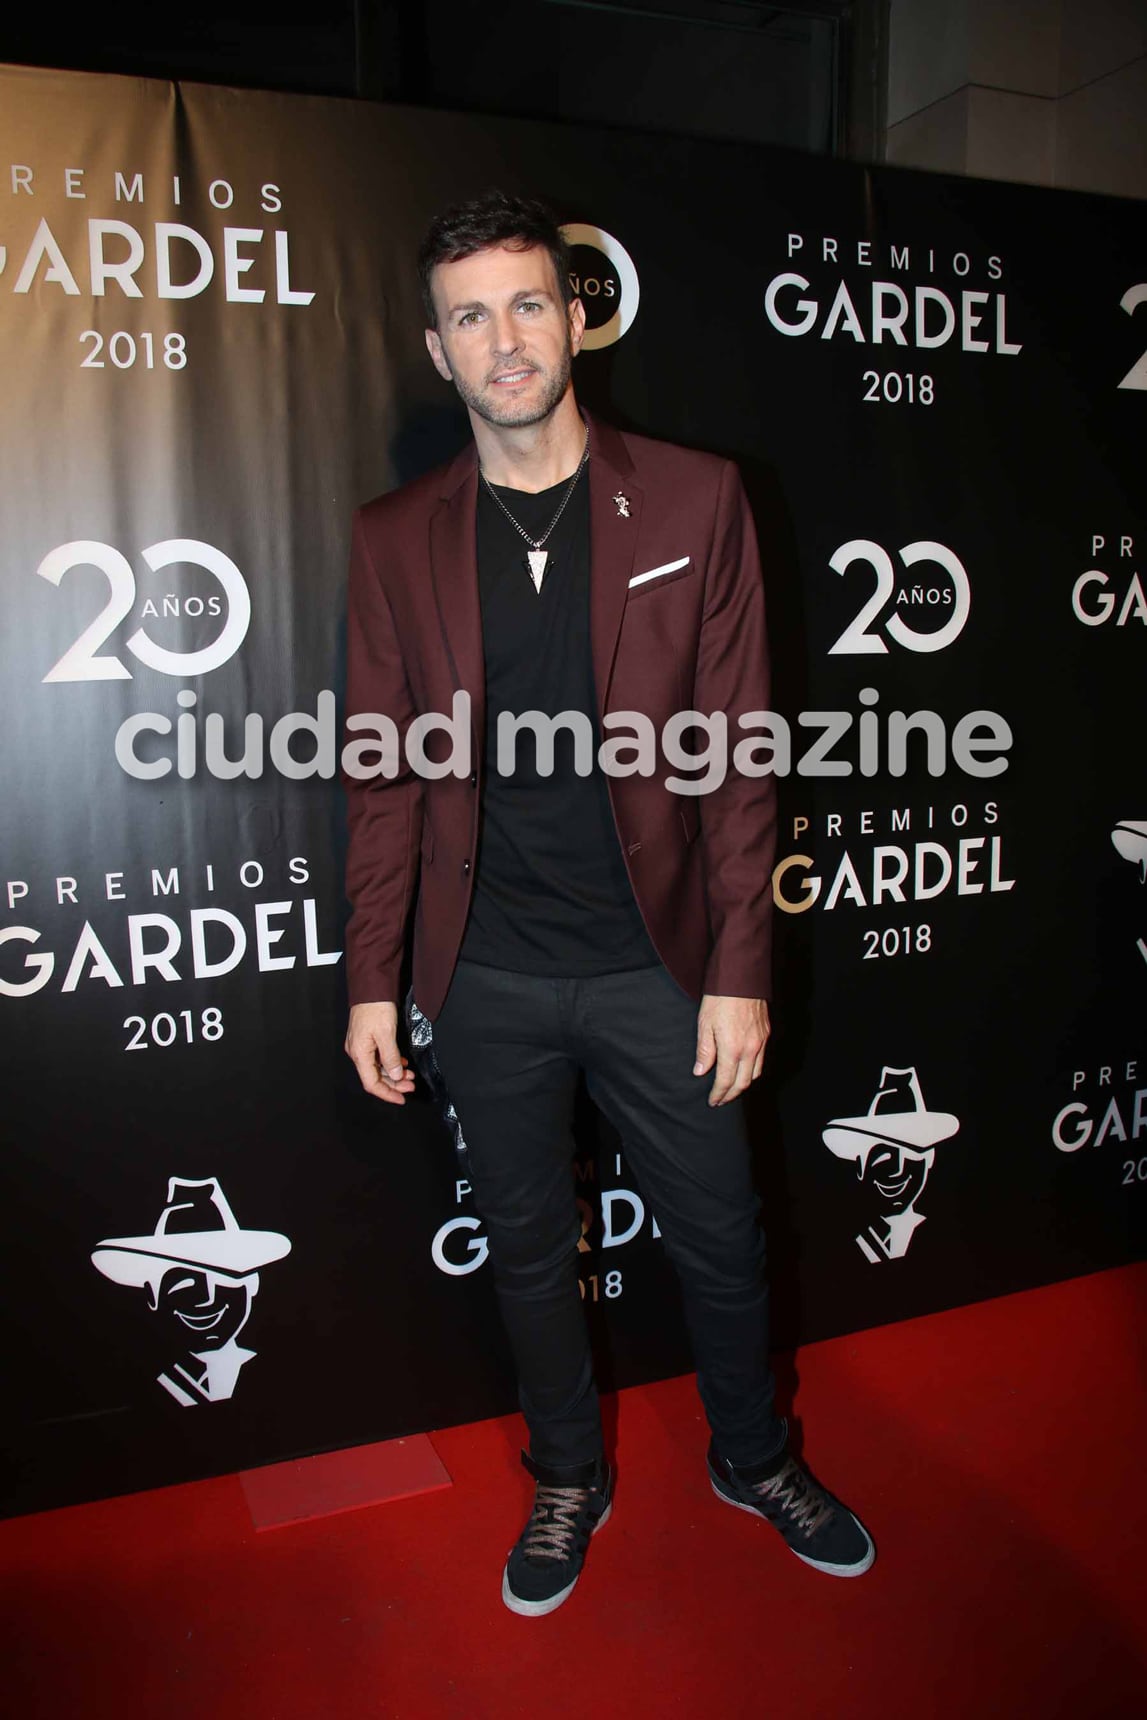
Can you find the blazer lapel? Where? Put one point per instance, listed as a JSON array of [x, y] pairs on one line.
[[454, 573], [615, 519]]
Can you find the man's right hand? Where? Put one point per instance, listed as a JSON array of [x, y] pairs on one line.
[[372, 1046]]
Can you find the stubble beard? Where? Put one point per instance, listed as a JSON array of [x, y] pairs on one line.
[[511, 415]]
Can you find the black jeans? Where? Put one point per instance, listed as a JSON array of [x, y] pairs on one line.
[[510, 1047]]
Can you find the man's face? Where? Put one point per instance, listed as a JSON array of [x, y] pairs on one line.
[[203, 1310], [898, 1174], [504, 337]]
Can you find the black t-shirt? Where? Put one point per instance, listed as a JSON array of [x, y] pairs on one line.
[[551, 892]]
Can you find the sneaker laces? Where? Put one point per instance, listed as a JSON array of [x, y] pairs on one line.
[[555, 1522], [793, 1493]]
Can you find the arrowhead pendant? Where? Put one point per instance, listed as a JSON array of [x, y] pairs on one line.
[[537, 559]]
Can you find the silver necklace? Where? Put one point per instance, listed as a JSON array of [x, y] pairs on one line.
[[537, 555]]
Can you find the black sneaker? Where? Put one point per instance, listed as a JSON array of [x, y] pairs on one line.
[[570, 1505], [816, 1527]]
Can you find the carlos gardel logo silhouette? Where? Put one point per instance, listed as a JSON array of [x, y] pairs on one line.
[[1130, 839], [201, 1274], [893, 1146]]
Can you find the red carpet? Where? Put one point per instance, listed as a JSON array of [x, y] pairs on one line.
[[996, 1453], [283, 1494]]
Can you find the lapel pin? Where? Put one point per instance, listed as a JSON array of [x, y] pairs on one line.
[[622, 504]]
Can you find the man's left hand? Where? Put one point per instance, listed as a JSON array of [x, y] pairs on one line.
[[731, 1032]]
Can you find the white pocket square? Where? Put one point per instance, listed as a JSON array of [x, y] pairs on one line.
[[656, 572]]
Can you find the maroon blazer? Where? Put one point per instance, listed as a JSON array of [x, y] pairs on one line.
[[690, 637]]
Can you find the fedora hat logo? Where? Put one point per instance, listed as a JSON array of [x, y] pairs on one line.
[[196, 1229], [897, 1115], [1130, 839]]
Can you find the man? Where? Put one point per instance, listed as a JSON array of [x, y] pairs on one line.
[[564, 922]]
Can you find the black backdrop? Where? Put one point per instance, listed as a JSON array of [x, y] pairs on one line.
[[955, 526]]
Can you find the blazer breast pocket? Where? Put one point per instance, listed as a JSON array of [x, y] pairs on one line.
[[657, 578]]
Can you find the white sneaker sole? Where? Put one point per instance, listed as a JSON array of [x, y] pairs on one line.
[[537, 1609], [831, 1570]]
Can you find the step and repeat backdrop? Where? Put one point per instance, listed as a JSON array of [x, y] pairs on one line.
[[216, 1251]]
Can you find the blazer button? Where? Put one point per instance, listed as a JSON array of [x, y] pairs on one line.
[[473, 779], [465, 868]]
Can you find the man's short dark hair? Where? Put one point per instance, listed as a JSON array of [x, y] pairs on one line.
[[495, 218]]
